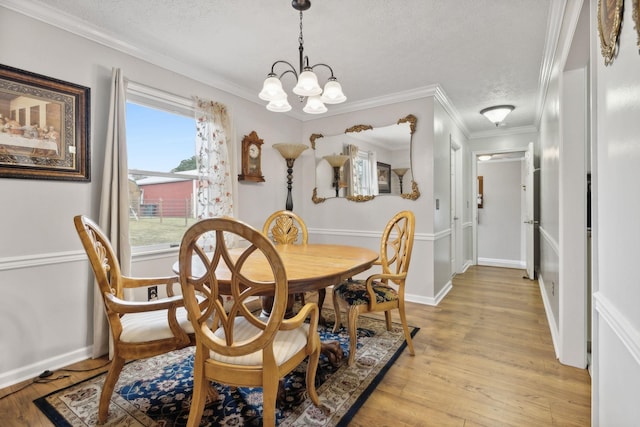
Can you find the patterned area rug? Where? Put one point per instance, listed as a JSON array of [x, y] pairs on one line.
[[157, 391]]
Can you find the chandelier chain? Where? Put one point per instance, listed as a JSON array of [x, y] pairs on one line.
[[300, 38]]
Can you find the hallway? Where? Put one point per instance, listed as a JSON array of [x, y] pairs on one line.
[[484, 357]]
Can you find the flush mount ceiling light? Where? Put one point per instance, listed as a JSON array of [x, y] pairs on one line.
[[497, 114], [484, 157], [307, 82]]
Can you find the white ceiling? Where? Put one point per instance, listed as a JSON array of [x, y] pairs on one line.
[[475, 53]]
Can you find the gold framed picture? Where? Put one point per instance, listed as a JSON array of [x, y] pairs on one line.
[[609, 20], [44, 127]]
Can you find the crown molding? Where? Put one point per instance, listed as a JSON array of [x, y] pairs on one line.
[[41, 11], [503, 132], [554, 27]]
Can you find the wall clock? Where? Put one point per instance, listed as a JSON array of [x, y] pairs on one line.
[[251, 158]]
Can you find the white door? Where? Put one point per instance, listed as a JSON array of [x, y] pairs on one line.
[[528, 188]]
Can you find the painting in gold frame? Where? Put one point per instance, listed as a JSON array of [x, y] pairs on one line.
[[609, 21], [44, 127]]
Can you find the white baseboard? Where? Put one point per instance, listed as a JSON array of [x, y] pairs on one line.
[[507, 263], [430, 301], [553, 326], [466, 266], [32, 371]]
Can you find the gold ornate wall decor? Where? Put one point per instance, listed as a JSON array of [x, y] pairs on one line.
[[415, 193], [609, 20], [411, 119], [314, 197], [360, 198], [366, 147], [313, 138], [358, 128]]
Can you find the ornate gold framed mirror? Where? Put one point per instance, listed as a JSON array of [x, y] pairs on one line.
[[348, 164]]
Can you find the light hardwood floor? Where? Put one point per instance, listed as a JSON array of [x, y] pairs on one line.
[[484, 357]]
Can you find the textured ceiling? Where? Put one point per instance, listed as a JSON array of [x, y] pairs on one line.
[[479, 52]]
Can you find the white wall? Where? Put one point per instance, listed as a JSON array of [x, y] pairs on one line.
[[44, 276], [500, 219], [616, 352]]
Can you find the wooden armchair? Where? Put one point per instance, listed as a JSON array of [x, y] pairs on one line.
[[383, 291], [139, 329], [285, 227], [238, 347]]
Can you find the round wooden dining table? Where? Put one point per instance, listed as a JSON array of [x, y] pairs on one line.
[[308, 267]]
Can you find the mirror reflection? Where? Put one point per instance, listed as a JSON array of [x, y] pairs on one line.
[[365, 162]]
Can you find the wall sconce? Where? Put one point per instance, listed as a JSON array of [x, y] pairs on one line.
[[336, 161], [290, 152], [400, 172], [498, 113]]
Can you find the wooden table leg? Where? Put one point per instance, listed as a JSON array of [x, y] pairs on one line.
[[266, 303], [333, 351]]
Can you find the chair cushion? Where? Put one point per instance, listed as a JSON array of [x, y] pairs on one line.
[[285, 344], [152, 325], [354, 292]]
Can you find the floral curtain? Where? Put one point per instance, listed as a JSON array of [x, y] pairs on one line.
[[213, 160]]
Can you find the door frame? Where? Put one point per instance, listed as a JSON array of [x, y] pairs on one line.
[[456, 197], [474, 198]]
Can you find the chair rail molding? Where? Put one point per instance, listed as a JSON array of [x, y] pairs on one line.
[[27, 261], [621, 327], [361, 233]]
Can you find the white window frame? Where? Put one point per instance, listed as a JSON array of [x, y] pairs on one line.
[[160, 100]]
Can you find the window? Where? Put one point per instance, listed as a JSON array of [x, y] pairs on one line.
[[162, 170]]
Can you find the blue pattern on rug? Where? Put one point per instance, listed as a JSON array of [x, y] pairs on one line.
[[157, 391], [167, 397]]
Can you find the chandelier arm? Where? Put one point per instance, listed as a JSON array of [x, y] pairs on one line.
[[288, 71], [324, 65], [292, 70]]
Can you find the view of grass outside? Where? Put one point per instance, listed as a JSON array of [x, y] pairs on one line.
[[153, 230]]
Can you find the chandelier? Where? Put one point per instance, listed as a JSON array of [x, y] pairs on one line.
[[307, 82]]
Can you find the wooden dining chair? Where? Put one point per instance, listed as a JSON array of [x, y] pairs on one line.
[[285, 227], [239, 347], [139, 329], [383, 291]]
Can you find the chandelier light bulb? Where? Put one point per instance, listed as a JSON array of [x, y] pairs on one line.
[[272, 89], [307, 84], [332, 93], [279, 105], [314, 105]]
